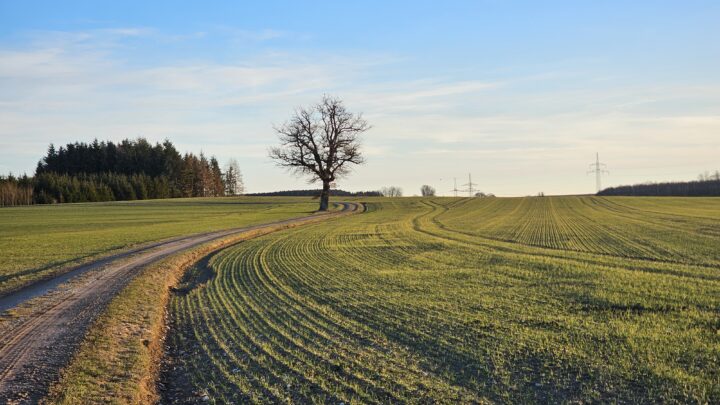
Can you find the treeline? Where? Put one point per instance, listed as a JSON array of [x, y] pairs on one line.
[[316, 193], [15, 190], [63, 188], [699, 188], [125, 157], [129, 170]]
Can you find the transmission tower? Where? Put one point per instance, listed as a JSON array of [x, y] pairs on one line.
[[599, 169], [455, 189], [469, 186]]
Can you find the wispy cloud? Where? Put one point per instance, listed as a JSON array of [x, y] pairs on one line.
[[237, 34], [66, 86]]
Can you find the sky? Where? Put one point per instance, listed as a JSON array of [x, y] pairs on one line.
[[521, 94]]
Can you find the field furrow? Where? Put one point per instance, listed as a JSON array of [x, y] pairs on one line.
[[458, 301]]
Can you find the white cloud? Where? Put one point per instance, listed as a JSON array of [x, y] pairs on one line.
[[62, 87]]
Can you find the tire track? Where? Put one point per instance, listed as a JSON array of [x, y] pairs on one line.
[[39, 336]]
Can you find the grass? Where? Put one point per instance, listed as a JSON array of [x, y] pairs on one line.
[[556, 299], [118, 360], [40, 241]]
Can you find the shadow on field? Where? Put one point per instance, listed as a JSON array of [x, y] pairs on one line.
[[195, 277]]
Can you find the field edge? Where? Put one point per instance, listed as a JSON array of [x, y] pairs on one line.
[[120, 356]]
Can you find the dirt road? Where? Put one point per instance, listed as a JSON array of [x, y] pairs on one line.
[[46, 322]]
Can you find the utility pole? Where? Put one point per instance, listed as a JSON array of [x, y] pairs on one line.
[[599, 169], [470, 185]]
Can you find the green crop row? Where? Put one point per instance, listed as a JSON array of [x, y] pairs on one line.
[[461, 301]]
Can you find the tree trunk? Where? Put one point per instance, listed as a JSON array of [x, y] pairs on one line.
[[325, 196]]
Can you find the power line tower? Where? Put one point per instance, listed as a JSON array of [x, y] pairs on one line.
[[470, 185], [455, 189], [599, 169]]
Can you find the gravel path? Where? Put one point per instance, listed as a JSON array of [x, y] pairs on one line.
[[48, 320]]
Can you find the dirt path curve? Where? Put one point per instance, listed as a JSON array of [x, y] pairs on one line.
[[39, 336]]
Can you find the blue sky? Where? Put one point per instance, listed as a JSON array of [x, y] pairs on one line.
[[521, 94]]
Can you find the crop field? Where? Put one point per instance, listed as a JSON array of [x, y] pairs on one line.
[[37, 241], [554, 299]]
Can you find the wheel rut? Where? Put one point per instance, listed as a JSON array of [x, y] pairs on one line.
[[41, 326]]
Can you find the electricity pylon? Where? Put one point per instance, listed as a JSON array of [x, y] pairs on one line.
[[455, 189], [469, 186], [599, 169]]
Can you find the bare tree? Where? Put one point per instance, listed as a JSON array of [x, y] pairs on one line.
[[233, 179], [392, 191], [427, 191], [707, 176], [321, 141], [240, 185]]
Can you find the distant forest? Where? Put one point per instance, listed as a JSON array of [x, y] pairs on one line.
[[129, 170], [316, 193], [705, 186]]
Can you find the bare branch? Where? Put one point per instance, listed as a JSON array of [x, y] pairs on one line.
[[320, 141]]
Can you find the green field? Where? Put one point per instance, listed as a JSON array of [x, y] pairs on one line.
[[38, 241], [556, 299]]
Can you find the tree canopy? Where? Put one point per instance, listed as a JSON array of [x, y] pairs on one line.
[[128, 170], [321, 142]]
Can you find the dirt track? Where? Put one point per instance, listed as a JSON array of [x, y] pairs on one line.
[[40, 334]]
